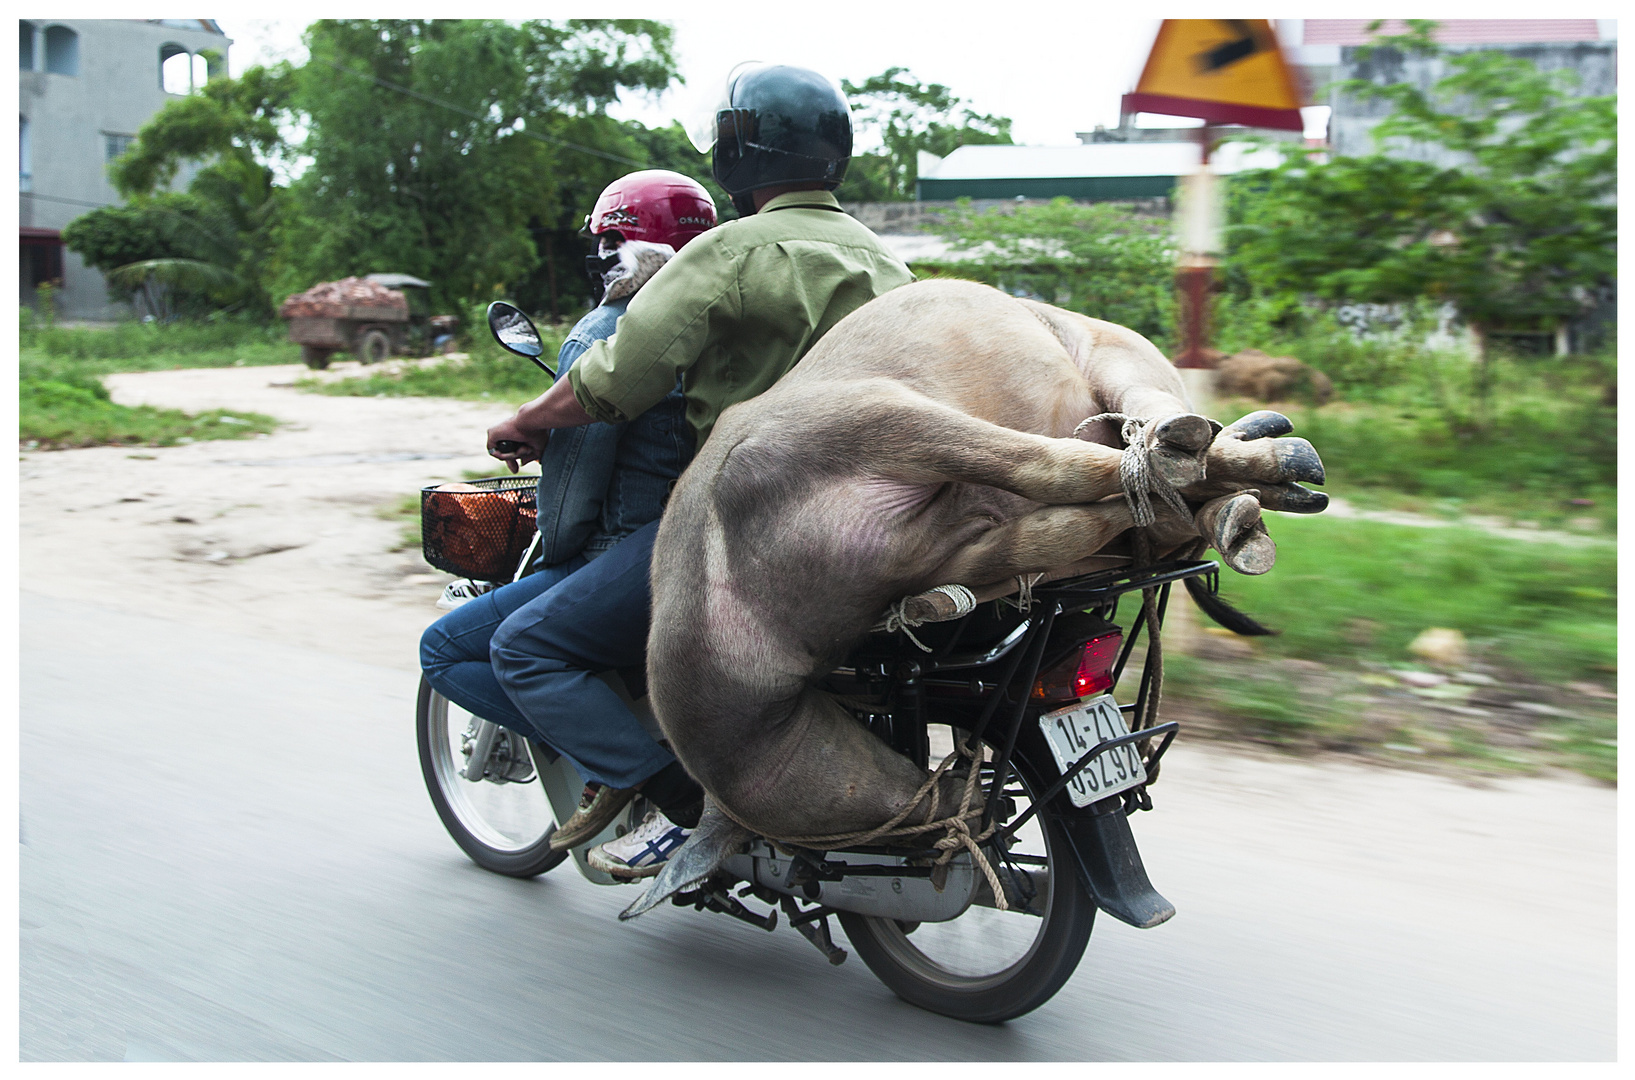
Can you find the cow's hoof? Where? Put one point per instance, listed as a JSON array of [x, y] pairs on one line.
[[1176, 447], [1297, 460], [1263, 424], [1234, 529], [1292, 499]]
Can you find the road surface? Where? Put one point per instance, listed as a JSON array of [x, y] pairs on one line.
[[227, 855]]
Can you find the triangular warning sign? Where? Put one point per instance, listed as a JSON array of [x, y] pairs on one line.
[[1226, 71]]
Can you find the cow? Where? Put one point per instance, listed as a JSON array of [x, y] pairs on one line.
[[936, 436]]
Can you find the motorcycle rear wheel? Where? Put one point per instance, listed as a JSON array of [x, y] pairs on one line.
[[989, 966], [505, 828]]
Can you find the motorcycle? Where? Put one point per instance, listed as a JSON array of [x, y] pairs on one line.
[[1034, 684]]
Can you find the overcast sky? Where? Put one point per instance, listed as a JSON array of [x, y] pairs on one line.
[[1053, 71]]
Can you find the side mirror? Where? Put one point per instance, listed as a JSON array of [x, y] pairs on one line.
[[516, 333]]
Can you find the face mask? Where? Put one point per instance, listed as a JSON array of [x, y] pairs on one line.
[[620, 274]]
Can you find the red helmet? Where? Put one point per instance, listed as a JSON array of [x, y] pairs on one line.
[[655, 205]]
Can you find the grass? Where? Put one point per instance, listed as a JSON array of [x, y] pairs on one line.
[[135, 346], [1435, 430], [62, 403], [406, 512], [55, 415], [1349, 597], [487, 373], [1363, 590]]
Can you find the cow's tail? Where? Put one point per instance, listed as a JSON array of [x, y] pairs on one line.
[[1228, 616]]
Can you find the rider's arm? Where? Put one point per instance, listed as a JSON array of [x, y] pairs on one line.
[[665, 331]]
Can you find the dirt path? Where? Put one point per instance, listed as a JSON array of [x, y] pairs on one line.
[[277, 537], [1493, 526]]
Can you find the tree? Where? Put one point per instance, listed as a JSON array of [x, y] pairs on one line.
[[170, 251], [443, 148], [1099, 259], [908, 116], [232, 125], [466, 152], [1520, 234]]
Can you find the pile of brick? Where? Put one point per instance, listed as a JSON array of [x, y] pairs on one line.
[[334, 299]]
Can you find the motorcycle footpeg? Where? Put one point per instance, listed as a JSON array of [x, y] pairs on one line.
[[716, 898]]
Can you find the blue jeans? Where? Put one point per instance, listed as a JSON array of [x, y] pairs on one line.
[[454, 649], [546, 653]]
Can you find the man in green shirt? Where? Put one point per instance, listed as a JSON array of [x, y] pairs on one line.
[[728, 316]]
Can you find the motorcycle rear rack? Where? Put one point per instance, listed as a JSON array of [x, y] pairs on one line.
[[1024, 652]]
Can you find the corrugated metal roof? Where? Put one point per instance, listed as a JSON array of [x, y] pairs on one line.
[[1095, 159], [1455, 31]]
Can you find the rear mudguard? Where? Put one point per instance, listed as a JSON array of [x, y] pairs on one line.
[[1110, 865]]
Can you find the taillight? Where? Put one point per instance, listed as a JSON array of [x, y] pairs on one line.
[[1084, 673]]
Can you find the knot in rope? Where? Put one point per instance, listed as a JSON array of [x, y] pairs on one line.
[[1135, 472], [897, 617]]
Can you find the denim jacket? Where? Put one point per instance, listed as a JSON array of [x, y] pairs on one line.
[[601, 482]]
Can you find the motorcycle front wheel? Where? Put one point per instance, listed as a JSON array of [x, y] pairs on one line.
[[988, 966], [503, 827]]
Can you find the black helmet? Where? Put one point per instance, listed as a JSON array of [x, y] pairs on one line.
[[776, 125]]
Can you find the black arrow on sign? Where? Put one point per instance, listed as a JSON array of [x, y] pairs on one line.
[[1240, 48]]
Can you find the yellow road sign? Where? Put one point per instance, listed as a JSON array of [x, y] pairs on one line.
[[1227, 71]]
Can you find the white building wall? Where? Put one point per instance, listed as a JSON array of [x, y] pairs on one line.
[[117, 89]]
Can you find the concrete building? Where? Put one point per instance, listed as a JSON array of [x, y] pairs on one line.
[[1327, 53], [86, 87]]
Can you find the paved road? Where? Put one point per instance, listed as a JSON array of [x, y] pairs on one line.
[[227, 854]]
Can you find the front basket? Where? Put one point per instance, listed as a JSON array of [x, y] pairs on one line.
[[480, 529]]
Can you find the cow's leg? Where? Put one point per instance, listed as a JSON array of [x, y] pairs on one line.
[[820, 772], [907, 436], [1055, 536], [1042, 539]]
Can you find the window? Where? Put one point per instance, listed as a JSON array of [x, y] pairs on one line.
[[25, 45], [25, 160], [201, 71], [61, 51], [175, 69], [114, 145]]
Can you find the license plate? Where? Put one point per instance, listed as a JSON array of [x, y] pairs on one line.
[[1073, 731]]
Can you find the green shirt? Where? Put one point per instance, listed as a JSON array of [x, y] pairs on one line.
[[735, 309]]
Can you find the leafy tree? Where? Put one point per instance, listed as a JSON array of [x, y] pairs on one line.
[[221, 231], [171, 251], [1520, 234], [1100, 259], [908, 116], [444, 148]]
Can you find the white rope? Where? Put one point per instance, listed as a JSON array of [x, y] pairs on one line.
[[897, 615], [1135, 473], [956, 827], [1024, 592]]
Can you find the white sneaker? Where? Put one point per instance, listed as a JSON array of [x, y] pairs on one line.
[[641, 852], [460, 590]]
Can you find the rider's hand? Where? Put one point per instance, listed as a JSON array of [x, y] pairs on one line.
[[508, 442]]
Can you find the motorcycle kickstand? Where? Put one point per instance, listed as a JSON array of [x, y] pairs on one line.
[[813, 925]]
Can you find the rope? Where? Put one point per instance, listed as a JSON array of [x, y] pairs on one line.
[[1135, 473], [897, 614], [1024, 592], [957, 827]]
